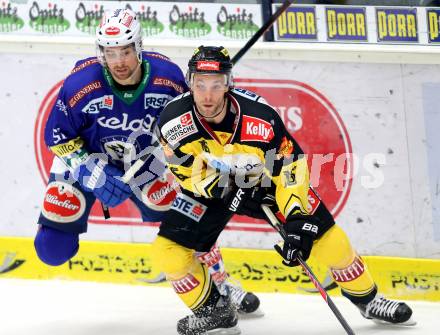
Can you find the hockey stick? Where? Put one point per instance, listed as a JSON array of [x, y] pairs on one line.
[[260, 31], [279, 228], [135, 167], [105, 209]]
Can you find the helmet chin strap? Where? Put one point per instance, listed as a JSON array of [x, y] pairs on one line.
[[130, 80]]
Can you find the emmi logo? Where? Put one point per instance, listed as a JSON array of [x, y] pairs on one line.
[[346, 24], [397, 25], [297, 23]]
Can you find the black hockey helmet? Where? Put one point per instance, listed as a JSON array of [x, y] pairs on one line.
[[210, 60]]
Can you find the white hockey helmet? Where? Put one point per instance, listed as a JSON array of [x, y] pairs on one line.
[[119, 28]]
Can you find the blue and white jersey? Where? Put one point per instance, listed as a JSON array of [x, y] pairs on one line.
[[91, 114]]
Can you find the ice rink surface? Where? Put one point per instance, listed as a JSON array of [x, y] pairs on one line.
[[30, 307]]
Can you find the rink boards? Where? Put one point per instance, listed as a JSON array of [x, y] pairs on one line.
[[257, 270]]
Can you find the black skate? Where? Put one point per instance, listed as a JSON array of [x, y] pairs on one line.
[[385, 311], [247, 303], [221, 320]]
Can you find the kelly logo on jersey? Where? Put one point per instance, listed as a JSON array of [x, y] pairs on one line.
[[95, 105], [256, 129], [189, 207], [155, 100]]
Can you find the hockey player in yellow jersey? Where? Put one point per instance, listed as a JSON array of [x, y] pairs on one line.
[[230, 151]]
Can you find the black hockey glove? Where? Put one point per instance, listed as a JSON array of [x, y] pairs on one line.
[[301, 231], [252, 204]]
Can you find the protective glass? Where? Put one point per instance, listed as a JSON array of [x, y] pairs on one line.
[[118, 54], [200, 84]]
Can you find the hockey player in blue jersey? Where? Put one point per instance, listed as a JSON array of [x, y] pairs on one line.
[[102, 120]]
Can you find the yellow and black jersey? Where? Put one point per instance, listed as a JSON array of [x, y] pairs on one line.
[[251, 140]]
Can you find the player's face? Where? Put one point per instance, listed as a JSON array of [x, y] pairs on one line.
[[122, 62], [209, 93]]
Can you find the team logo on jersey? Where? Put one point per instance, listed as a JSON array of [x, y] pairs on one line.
[[63, 203], [118, 147], [156, 100], [160, 194], [188, 207], [286, 148], [256, 129], [95, 105], [179, 128], [61, 107]]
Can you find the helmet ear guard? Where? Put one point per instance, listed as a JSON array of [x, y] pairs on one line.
[[210, 60], [119, 28]]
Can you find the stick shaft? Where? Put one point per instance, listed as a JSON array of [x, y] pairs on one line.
[[105, 211], [260, 31], [274, 222]]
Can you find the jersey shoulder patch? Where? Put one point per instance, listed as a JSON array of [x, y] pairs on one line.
[[86, 77], [256, 111], [250, 98], [246, 94], [82, 64], [155, 55]]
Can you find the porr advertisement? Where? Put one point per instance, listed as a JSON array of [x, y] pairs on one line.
[[358, 24]]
